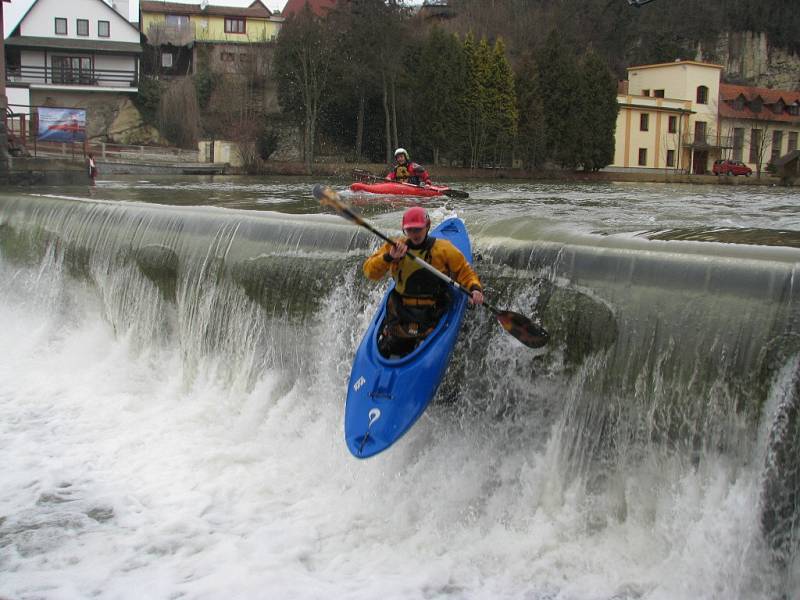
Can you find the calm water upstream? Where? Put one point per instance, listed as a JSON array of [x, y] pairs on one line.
[[176, 355]]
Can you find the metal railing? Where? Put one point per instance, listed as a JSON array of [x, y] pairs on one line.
[[72, 76]]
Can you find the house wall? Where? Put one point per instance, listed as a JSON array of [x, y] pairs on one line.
[[211, 28], [40, 21]]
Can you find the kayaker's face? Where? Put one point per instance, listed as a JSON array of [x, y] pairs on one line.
[[401, 159], [416, 235]]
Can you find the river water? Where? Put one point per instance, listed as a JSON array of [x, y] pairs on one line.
[[176, 353]]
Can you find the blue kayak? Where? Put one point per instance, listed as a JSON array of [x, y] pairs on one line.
[[386, 396]]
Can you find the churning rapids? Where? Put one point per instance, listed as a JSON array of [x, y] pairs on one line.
[[175, 357]]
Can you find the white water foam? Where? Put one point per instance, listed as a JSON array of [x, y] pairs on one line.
[[122, 481]]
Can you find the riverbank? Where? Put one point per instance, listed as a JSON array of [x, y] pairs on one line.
[[445, 174]]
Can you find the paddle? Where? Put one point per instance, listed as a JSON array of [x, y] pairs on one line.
[[522, 328], [361, 175]]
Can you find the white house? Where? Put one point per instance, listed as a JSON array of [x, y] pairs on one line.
[[64, 53]]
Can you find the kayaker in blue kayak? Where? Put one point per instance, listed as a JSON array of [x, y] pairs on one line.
[[419, 298], [406, 171]]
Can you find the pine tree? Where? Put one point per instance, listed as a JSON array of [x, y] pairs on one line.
[[599, 88], [531, 133]]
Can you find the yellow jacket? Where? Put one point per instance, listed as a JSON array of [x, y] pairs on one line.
[[413, 280]]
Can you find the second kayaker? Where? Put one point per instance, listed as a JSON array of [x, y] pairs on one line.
[[406, 171]]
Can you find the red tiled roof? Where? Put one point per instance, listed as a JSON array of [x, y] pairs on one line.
[[729, 93], [255, 10], [318, 7]]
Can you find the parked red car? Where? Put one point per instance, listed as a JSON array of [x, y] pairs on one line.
[[731, 167]]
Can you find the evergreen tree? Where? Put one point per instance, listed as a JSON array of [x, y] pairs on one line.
[[502, 113], [559, 84], [439, 84], [531, 133], [599, 88]]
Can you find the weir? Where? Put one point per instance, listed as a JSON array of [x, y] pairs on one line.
[[662, 351]]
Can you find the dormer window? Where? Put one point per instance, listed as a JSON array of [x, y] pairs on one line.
[[738, 104], [778, 107], [794, 109], [61, 26], [702, 94]]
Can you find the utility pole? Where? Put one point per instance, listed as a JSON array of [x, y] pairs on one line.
[[3, 98]]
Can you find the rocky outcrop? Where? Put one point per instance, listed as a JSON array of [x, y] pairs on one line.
[[750, 60]]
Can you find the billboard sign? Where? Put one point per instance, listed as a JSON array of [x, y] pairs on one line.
[[61, 124]]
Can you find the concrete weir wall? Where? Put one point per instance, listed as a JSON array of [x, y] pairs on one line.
[[43, 171]]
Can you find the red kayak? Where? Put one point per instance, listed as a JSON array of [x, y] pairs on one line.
[[398, 188]]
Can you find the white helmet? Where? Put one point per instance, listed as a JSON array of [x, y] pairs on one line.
[[401, 151]]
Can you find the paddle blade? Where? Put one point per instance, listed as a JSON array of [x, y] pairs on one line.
[[522, 328], [455, 193], [328, 197]]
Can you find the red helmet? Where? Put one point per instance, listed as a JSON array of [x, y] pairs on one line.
[[416, 216]]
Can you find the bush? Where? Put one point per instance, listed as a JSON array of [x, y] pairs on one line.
[[266, 143], [148, 99]]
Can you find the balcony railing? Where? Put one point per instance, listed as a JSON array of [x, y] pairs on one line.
[[708, 140], [72, 76]]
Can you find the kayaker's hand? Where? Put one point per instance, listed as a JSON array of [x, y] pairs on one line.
[[398, 251], [476, 297]]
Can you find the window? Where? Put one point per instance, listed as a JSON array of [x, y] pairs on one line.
[[103, 29], [658, 93], [700, 132], [794, 109], [82, 26], [244, 58], [644, 122], [61, 26], [643, 157], [670, 158], [227, 56], [739, 103], [738, 143], [166, 60], [755, 145], [72, 69], [792, 141], [702, 94], [672, 124], [234, 25], [177, 21], [645, 92], [777, 142]]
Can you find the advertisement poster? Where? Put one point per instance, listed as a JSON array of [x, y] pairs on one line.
[[61, 124]]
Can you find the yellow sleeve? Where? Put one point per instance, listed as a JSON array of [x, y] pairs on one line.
[[375, 267], [459, 268]]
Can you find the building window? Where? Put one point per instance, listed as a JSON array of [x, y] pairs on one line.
[[644, 122], [72, 69], [103, 29], [794, 109], [739, 103], [792, 141], [234, 25], [82, 26], [755, 145], [738, 143], [61, 26], [645, 92], [670, 158], [777, 142], [177, 21], [166, 60], [643, 157], [227, 56], [702, 94], [658, 93], [700, 132], [672, 124]]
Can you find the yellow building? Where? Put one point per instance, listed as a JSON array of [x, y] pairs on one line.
[[174, 32], [679, 116]]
